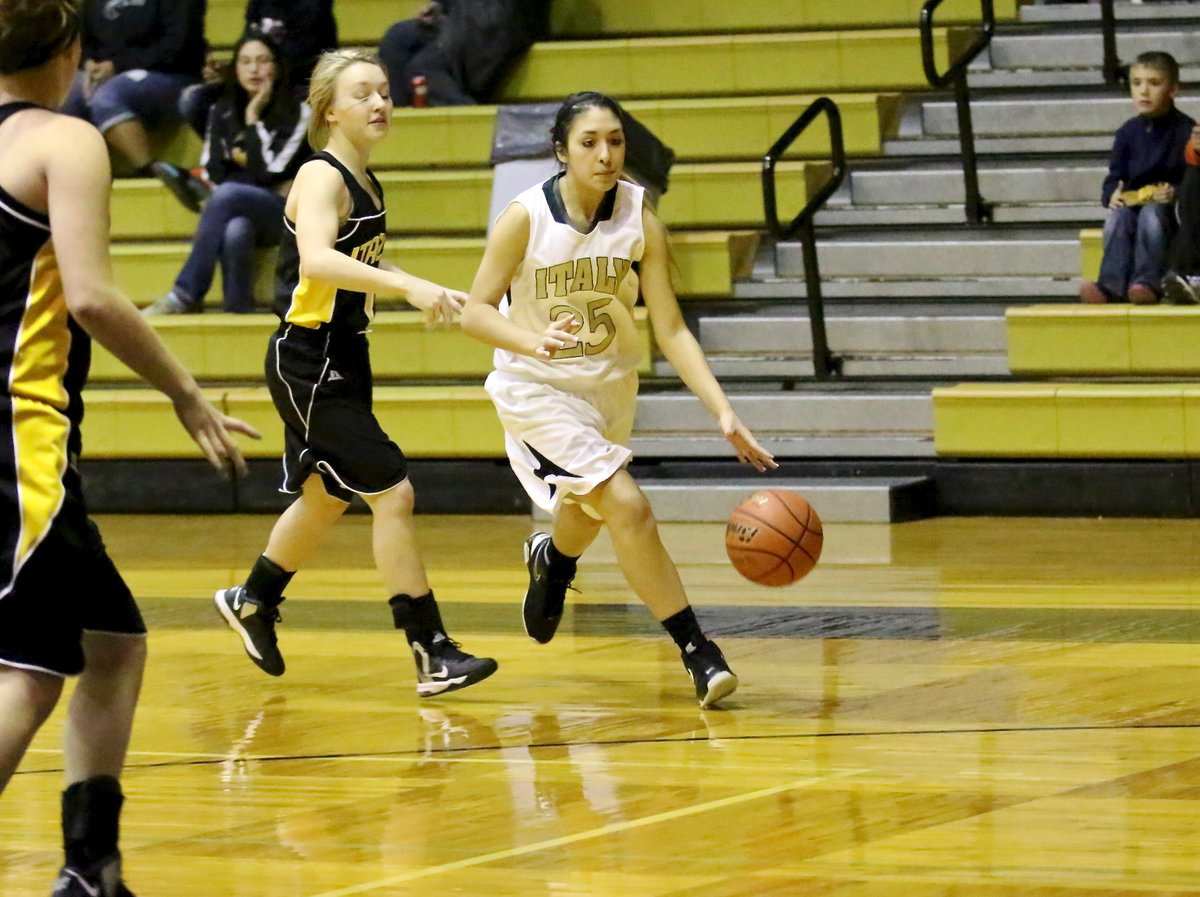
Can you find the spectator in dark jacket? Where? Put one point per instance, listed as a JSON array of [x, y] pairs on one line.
[[139, 55], [1145, 168], [476, 43], [254, 145]]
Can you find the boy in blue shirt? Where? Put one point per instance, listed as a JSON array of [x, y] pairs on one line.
[[1144, 169]]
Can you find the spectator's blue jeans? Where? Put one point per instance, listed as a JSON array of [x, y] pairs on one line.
[[1135, 245], [237, 219], [152, 97]]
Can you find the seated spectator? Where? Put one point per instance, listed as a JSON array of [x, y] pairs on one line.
[[138, 58], [302, 29], [462, 48], [1182, 282], [1144, 170], [254, 145]]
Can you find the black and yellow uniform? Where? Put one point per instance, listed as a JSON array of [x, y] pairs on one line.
[[319, 367], [55, 578]]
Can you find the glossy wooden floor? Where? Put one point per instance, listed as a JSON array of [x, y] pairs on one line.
[[949, 707]]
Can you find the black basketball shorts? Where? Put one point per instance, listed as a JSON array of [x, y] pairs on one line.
[[66, 586], [321, 386]]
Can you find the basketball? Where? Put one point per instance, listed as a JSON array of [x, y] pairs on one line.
[[774, 537]]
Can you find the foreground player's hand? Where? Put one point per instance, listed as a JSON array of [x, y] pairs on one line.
[[743, 442], [210, 429], [559, 335], [441, 306]]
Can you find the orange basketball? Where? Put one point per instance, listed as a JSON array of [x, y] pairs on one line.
[[774, 537]]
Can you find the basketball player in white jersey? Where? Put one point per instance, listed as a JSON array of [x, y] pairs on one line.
[[64, 608], [555, 294]]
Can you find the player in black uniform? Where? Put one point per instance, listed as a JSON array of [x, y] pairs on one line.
[[64, 609], [319, 373]]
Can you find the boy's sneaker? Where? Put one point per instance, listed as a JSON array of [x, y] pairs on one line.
[[443, 667], [546, 595], [255, 624], [1180, 289], [101, 879], [710, 673], [171, 304]]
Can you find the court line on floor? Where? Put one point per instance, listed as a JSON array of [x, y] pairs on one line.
[[211, 759], [616, 827]]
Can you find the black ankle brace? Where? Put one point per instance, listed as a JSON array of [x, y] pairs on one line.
[[91, 814], [419, 617], [266, 582]]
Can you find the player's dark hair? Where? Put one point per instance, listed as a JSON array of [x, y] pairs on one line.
[[282, 98], [32, 32], [574, 106], [1161, 61]]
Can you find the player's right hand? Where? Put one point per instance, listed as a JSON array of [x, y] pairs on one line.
[[210, 429], [559, 335]]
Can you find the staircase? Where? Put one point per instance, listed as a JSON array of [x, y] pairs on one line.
[[916, 297]]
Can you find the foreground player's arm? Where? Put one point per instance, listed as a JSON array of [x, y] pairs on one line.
[[481, 317], [78, 182], [321, 202], [681, 349]]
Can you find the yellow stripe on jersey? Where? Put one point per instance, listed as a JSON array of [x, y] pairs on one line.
[[312, 304], [44, 340], [39, 400], [40, 440]]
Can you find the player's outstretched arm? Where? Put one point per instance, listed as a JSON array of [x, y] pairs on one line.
[[680, 348], [78, 183], [481, 316]]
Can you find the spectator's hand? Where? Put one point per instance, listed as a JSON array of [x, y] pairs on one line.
[[559, 335], [214, 70], [1164, 193], [743, 442], [96, 72], [259, 100], [1117, 201], [430, 14]]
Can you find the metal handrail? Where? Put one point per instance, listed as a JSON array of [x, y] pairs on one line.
[[825, 364], [956, 76], [1114, 72]]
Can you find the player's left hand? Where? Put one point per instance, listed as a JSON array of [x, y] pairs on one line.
[[743, 442]]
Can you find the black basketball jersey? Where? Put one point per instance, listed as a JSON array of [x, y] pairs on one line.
[[44, 357], [362, 236]]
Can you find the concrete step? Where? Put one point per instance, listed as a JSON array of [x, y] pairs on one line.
[[881, 341], [847, 215], [1124, 12], [1042, 181], [1039, 79], [1043, 144], [1085, 49], [957, 253], [825, 423], [949, 289], [849, 500], [1025, 116]]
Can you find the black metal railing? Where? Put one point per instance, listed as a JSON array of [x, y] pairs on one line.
[[956, 76], [1114, 72], [825, 364]]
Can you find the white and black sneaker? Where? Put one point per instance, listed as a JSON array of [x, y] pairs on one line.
[[1180, 289], [710, 673], [547, 593], [256, 626], [443, 667], [101, 879]]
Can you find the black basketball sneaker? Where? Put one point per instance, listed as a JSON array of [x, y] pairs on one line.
[[710, 673], [101, 879], [442, 666], [547, 592], [256, 626]]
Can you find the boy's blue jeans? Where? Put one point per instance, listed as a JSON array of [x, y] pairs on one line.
[[1135, 245]]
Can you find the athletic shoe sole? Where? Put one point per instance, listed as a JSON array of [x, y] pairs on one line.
[[720, 686], [442, 686]]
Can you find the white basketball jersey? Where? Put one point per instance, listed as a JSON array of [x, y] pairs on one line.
[[589, 275]]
